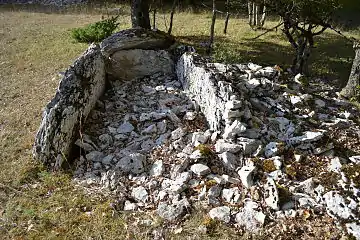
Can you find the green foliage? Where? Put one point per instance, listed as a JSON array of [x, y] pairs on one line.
[[95, 32]]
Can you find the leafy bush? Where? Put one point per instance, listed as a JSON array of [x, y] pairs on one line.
[[95, 32]]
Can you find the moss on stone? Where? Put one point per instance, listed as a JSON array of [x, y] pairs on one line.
[[268, 165], [352, 172]]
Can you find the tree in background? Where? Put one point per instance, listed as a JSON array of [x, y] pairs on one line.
[[255, 9], [140, 14], [352, 89], [302, 21]]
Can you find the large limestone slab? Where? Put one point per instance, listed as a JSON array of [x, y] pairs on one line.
[[136, 38], [78, 91], [200, 82], [128, 64]]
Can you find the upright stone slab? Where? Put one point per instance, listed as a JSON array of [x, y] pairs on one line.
[[78, 91], [199, 80]]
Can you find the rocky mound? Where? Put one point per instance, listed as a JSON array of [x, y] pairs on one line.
[[252, 145]]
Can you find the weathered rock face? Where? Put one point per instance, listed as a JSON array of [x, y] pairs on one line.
[[137, 53], [137, 38], [80, 88], [201, 83], [128, 64]]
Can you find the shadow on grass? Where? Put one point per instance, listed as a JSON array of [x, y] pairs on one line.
[[331, 58]]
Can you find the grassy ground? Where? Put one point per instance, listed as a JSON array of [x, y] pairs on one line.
[[35, 45]]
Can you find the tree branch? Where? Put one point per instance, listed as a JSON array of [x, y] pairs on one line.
[[269, 30]]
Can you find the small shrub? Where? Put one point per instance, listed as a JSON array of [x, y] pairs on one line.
[[95, 32]]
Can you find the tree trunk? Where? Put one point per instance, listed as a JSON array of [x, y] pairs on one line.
[[212, 28], [172, 16], [154, 19], [352, 86], [257, 14], [140, 14], [227, 17], [250, 12], [253, 13], [263, 17], [301, 61]]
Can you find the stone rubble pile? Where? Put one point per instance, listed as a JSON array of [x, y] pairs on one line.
[[252, 146]]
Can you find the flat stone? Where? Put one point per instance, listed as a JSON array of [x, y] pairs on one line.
[[178, 133], [320, 103], [133, 163], [157, 168], [198, 138], [249, 145], [126, 127], [79, 89], [150, 129], [271, 195], [108, 159], [220, 213], [250, 218], [229, 160], [246, 175], [129, 206], [214, 191], [233, 104], [336, 206], [234, 129], [223, 146], [172, 212], [140, 194], [95, 156], [271, 149], [200, 169]]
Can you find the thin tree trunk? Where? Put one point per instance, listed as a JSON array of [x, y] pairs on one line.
[[227, 16], [212, 29], [172, 16], [253, 13], [256, 14], [154, 19], [352, 88], [263, 17], [250, 12]]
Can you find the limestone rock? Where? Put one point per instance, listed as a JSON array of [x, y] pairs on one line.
[[220, 213], [133, 163], [223, 146], [82, 85], [249, 217], [200, 169], [140, 194], [157, 168], [246, 175], [271, 194], [229, 160], [135, 63], [172, 212], [136, 38]]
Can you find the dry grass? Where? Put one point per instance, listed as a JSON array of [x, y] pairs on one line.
[[34, 47]]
